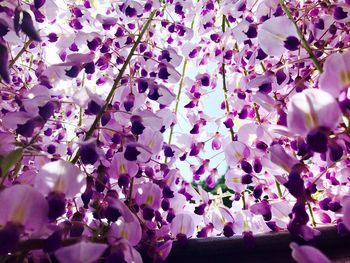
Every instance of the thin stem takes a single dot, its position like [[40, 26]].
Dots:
[[312, 215], [4, 177], [301, 35], [243, 201], [20, 53], [215, 155], [81, 109], [178, 98], [18, 168], [279, 191], [257, 114], [130, 191], [224, 86], [115, 84]]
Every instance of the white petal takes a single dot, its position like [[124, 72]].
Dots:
[[62, 177]]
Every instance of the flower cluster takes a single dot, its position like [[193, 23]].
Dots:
[[127, 125]]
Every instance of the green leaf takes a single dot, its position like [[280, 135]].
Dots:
[[9, 160]]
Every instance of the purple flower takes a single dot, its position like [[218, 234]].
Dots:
[[346, 212], [295, 185], [31, 214], [307, 254], [4, 70], [27, 26], [336, 75], [81, 252], [60, 177], [39, 3], [281, 158], [9, 238], [129, 230], [277, 35], [57, 205], [149, 194], [291, 43], [163, 73], [4, 28], [228, 229], [89, 153], [310, 109], [182, 224], [233, 180], [121, 166], [317, 140], [137, 151], [73, 72], [235, 152], [339, 13]]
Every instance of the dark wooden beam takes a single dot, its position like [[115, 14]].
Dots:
[[271, 248]]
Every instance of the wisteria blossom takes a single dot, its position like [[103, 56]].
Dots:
[[307, 254], [128, 128]]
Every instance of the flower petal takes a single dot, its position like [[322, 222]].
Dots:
[[273, 33], [336, 75], [310, 109], [61, 177], [24, 205], [27, 27], [307, 254], [4, 61], [83, 252], [346, 213], [182, 224]]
